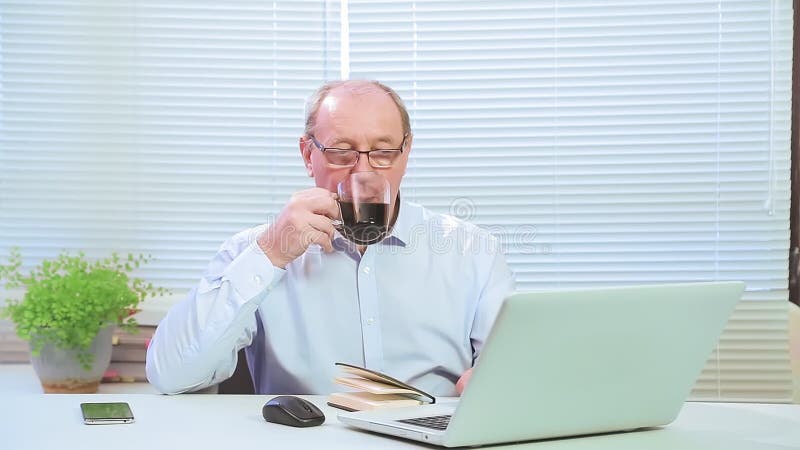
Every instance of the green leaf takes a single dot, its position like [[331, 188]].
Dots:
[[69, 298]]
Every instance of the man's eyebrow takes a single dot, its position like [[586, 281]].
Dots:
[[343, 140], [340, 141]]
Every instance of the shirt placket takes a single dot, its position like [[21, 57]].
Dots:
[[370, 317]]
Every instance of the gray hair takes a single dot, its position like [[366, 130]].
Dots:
[[355, 86]]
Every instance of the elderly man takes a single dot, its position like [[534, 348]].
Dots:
[[299, 297]]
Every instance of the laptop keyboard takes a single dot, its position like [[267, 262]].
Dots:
[[435, 422]]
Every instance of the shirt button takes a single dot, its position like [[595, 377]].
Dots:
[[371, 321], [366, 269], [257, 280]]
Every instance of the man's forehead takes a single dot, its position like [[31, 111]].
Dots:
[[340, 99], [356, 92]]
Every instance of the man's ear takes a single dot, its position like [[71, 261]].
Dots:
[[407, 151], [305, 152]]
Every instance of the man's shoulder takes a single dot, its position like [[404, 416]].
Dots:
[[444, 226]]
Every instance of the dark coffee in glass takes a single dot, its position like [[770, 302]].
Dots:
[[364, 223], [364, 206]]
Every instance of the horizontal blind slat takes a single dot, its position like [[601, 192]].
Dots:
[[602, 142]]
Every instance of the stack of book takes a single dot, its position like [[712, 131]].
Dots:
[[13, 350], [128, 356], [128, 353]]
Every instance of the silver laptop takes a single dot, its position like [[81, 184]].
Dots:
[[573, 362]]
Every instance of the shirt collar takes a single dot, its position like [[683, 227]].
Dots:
[[407, 217]]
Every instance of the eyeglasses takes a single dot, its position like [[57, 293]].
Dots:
[[346, 157]]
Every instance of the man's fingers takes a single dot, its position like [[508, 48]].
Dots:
[[327, 245], [462, 382], [323, 202], [314, 236], [323, 224]]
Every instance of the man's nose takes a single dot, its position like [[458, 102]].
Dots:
[[362, 165]]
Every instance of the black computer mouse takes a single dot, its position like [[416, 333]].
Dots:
[[292, 411]]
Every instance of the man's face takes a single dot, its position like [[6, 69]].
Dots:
[[362, 121]]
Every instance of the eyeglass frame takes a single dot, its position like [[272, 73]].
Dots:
[[323, 148]]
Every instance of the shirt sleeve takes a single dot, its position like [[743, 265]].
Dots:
[[498, 284], [196, 344]]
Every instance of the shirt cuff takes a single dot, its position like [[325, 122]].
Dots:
[[252, 273]]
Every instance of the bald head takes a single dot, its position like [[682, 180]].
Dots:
[[355, 88]]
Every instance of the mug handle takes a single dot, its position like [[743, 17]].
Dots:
[[338, 223]]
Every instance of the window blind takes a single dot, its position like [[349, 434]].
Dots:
[[160, 126], [602, 142], [608, 143]]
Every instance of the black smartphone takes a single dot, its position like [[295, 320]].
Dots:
[[106, 413]]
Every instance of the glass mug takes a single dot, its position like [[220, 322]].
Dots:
[[364, 199]]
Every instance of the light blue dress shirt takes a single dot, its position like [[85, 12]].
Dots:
[[417, 306]]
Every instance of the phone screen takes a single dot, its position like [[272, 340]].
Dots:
[[106, 413]]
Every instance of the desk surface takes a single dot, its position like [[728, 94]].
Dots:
[[20, 378], [33, 421]]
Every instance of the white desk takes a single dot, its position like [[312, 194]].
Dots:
[[20, 378], [37, 421], [32, 420]]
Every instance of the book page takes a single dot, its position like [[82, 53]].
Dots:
[[381, 378], [369, 375], [374, 387], [363, 401]]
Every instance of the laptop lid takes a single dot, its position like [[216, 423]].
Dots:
[[571, 362]]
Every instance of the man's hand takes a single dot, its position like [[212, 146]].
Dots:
[[462, 382], [305, 220]]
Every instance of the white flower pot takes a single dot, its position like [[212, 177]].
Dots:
[[60, 372]]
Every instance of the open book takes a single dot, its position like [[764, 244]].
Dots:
[[374, 390]]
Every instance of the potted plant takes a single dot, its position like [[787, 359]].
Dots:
[[69, 311]]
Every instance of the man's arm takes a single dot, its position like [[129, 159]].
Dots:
[[195, 345]]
